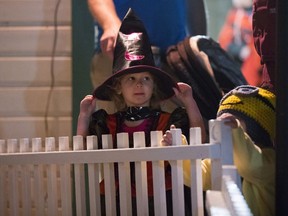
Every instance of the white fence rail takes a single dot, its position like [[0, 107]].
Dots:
[[46, 177]]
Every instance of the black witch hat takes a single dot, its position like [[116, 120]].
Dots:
[[133, 54]]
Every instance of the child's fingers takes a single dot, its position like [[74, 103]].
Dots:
[[167, 139]]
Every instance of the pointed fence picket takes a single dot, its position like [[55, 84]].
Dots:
[[59, 177]]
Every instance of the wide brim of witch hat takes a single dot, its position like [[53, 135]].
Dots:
[[133, 54]]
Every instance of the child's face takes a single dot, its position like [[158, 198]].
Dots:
[[137, 88]]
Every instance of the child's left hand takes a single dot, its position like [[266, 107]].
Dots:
[[167, 137], [184, 93]]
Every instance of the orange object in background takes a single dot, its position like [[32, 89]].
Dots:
[[236, 37]]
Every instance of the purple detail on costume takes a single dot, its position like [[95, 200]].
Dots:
[[132, 40], [131, 57], [132, 37]]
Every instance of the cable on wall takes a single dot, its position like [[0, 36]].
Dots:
[[52, 72]]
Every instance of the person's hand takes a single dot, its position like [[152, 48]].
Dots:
[[167, 137], [229, 120], [108, 40], [87, 105], [184, 94]]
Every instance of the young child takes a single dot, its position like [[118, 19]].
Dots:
[[250, 111], [137, 88]]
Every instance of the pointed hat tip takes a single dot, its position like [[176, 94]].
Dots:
[[132, 23]]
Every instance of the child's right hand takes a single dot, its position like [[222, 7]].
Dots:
[[87, 105], [167, 137]]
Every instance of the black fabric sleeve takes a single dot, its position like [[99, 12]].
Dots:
[[180, 119], [98, 125]]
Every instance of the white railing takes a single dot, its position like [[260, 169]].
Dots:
[[51, 178]]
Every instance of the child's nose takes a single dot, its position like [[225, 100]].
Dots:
[[139, 82]]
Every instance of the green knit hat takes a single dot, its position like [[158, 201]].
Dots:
[[256, 106]]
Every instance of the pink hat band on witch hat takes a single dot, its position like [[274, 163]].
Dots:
[[133, 54]]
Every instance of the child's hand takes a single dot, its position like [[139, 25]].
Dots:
[[87, 105], [229, 120], [167, 137], [184, 93]]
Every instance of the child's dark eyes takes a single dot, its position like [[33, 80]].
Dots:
[[143, 79]]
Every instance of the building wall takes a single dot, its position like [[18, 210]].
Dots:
[[35, 63], [30, 69]]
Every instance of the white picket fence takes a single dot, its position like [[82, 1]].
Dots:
[[46, 177]]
